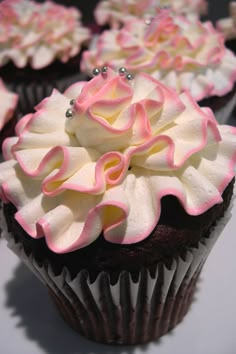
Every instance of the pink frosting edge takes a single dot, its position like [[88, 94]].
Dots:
[[82, 241], [176, 193], [118, 80], [208, 120], [99, 180]]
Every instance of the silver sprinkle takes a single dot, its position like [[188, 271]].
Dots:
[[96, 71], [129, 77], [69, 113], [104, 69], [122, 71], [72, 102], [148, 21]]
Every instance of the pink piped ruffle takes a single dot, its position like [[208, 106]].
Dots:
[[70, 192]]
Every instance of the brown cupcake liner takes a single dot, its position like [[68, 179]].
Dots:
[[30, 94], [223, 114], [231, 44], [222, 107], [126, 312]]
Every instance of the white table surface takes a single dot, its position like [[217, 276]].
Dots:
[[29, 324]]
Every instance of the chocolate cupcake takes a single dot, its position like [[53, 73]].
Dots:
[[185, 55], [40, 48], [115, 193]]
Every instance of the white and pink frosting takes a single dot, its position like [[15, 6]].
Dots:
[[8, 103], [117, 12], [228, 25], [37, 34], [127, 144], [185, 55]]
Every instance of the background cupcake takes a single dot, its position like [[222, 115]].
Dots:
[[40, 48], [8, 113], [152, 174], [115, 13], [185, 55], [228, 27]]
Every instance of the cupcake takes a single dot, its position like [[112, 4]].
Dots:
[[185, 55], [228, 27], [114, 194], [7, 112], [115, 13], [40, 48]]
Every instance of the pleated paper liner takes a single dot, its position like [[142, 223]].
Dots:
[[231, 44], [30, 94], [128, 311], [222, 107]]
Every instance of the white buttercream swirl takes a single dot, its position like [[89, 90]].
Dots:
[[228, 25], [8, 103], [37, 34], [185, 55], [116, 12], [128, 144]]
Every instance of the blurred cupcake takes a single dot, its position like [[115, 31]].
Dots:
[[228, 27], [40, 48], [114, 195], [185, 55], [115, 13], [7, 112]]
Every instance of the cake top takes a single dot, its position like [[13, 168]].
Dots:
[[37, 34], [185, 55], [228, 25], [8, 104], [117, 12], [99, 158]]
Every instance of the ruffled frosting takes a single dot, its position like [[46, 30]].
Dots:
[[8, 103], [37, 34], [228, 25], [127, 144], [116, 12], [185, 55]]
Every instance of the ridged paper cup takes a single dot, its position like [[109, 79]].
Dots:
[[127, 311], [222, 107], [30, 94]]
